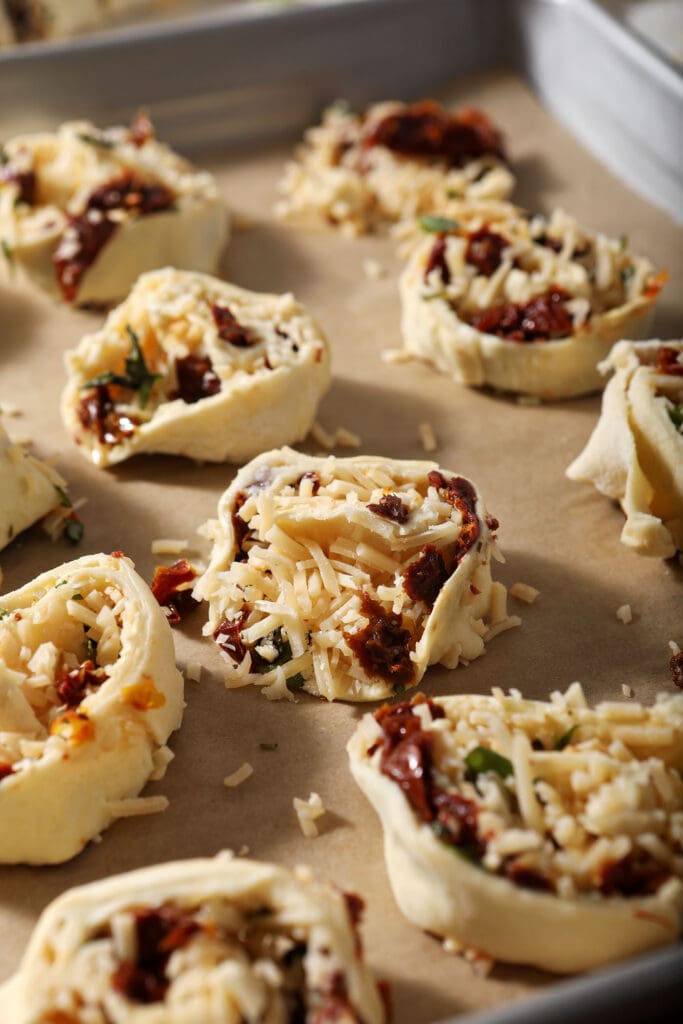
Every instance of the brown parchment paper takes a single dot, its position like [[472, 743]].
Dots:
[[562, 537]]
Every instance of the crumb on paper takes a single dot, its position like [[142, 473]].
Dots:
[[529, 400], [373, 270], [243, 850], [342, 438], [308, 811], [395, 355], [136, 806], [427, 437], [624, 614], [674, 648], [627, 690], [168, 546], [346, 438], [193, 671], [238, 777], [524, 592]]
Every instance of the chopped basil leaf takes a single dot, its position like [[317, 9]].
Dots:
[[268, 746], [61, 583], [77, 597], [623, 242], [3, 613], [96, 140], [64, 499], [91, 649], [446, 837], [398, 688], [565, 738], [435, 295], [676, 415], [296, 682], [136, 376], [7, 252], [281, 645], [438, 225], [482, 759], [73, 531]]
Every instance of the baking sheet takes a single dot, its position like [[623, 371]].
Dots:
[[559, 536]]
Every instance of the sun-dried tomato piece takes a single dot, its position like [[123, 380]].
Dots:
[[485, 250], [426, 129], [459, 493], [227, 636], [456, 818], [229, 329], [159, 932], [676, 666], [72, 686], [196, 378], [636, 874], [26, 182], [96, 411], [667, 361], [390, 506], [166, 586], [311, 475], [129, 192], [424, 578], [5, 770], [544, 318], [527, 878], [437, 260], [383, 646]]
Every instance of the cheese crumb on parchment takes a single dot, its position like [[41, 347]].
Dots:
[[427, 437], [627, 690], [624, 614], [308, 811], [168, 546], [239, 776], [524, 592], [373, 270]]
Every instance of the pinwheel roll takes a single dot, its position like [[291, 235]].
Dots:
[[529, 306], [635, 453], [29, 489], [360, 171], [540, 833], [190, 365], [85, 212], [89, 694], [348, 577], [219, 941]]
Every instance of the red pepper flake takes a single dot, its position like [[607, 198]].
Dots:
[[676, 666], [424, 578], [437, 260], [459, 493], [391, 507], [544, 318], [165, 587], [636, 874], [527, 878], [227, 636], [117, 554], [355, 905], [5, 770], [484, 250], [88, 232], [72, 686], [667, 361], [26, 182], [141, 129], [240, 529], [383, 646], [159, 933], [229, 329], [427, 129], [96, 412], [196, 378]]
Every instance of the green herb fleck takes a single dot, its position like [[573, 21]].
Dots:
[[77, 597], [64, 499], [626, 273], [398, 688], [4, 159], [96, 140], [565, 739], [284, 651], [91, 649], [623, 243], [136, 375], [3, 613], [296, 682], [61, 583], [676, 415], [7, 253], [435, 295], [438, 225], [268, 746], [73, 531], [482, 759], [447, 837]]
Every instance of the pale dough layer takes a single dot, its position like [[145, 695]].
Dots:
[[635, 453], [71, 766], [27, 489], [217, 978], [269, 388]]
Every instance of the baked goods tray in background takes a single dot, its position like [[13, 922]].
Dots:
[[248, 71], [205, 89]]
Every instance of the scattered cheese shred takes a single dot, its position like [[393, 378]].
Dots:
[[239, 776], [674, 648], [168, 546], [307, 811], [627, 690], [136, 806], [395, 355], [624, 614], [427, 437], [193, 671], [373, 269], [524, 592]]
